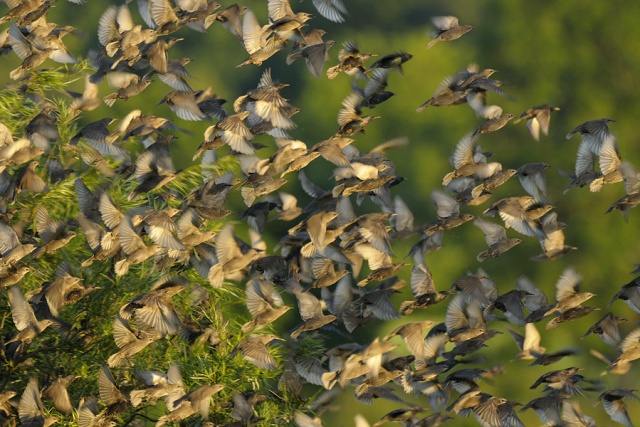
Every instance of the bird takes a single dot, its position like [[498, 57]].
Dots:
[[592, 129], [607, 329], [254, 350], [631, 180], [351, 61], [538, 119], [447, 29], [612, 401], [493, 124], [529, 344], [30, 408], [568, 293], [468, 164], [392, 61], [496, 237], [58, 393]]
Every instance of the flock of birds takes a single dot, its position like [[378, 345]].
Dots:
[[319, 264]]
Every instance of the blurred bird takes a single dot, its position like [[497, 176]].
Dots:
[[529, 344], [25, 321], [350, 118], [496, 237], [594, 131], [154, 169], [392, 61], [538, 119], [259, 41], [54, 233], [631, 179], [351, 61], [630, 294], [532, 178], [254, 350], [612, 401], [311, 313], [87, 100], [493, 124], [448, 213], [30, 408], [568, 293], [468, 163], [607, 329], [447, 29], [58, 393]]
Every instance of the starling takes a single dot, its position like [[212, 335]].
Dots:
[[412, 334], [315, 56], [129, 342], [532, 178], [284, 23], [311, 314], [448, 212], [42, 130], [231, 19], [562, 380], [333, 10], [154, 169], [30, 408], [176, 74], [509, 304], [568, 293], [529, 344], [423, 290], [596, 130], [607, 329], [521, 213], [87, 100], [132, 89], [259, 41], [392, 61], [447, 29], [264, 303], [483, 406], [254, 350], [89, 415], [493, 124], [402, 415], [537, 118], [631, 179], [54, 233], [133, 246], [243, 405], [612, 401], [549, 358], [160, 386], [496, 237], [25, 321], [630, 294], [629, 348], [197, 400], [464, 319], [154, 309], [350, 118], [184, 104], [110, 393], [547, 408], [57, 392], [351, 61], [468, 164], [572, 415], [552, 239]]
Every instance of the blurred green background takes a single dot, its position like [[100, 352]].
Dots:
[[580, 56]]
